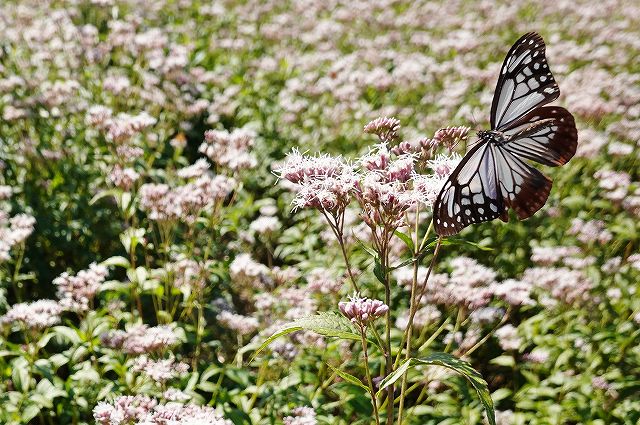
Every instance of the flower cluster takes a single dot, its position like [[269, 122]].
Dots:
[[469, 285], [362, 311], [160, 371], [508, 337], [120, 128], [36, 315], [321, 181], [76, 292], [123, 178], [449, 137], [244, 325], [384, 127], [230, 150], [246, 272], [590, 231], [141, 339], [302, 415], [188, 274], [14, 231], [564, 284], [144, 410], [184, 202]]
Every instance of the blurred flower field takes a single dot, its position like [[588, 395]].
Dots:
[[158, 224]]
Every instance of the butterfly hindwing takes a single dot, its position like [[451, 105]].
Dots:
[[547, 135], [523, 188], [524, 84], [471, 194]]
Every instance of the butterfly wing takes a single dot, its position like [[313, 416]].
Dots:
[[523, 188], [470, 194], [524, 84], [546, 135]]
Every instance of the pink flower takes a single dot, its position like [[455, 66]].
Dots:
[[384, 127], [362, 311]]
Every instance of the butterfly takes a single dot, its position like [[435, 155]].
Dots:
[[493, 176]]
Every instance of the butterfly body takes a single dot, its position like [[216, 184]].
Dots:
[[493, 136], [493, 176]]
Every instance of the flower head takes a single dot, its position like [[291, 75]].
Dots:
[[384, 127], [362, 311]]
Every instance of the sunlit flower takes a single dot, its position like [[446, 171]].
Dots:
[[244, 325], [303, 415], [384, 127], [508, 337], [141, 339], [160, 370], [231, 150], [76, 292], [35, 315]]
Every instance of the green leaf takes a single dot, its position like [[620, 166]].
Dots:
[[369, 250], [455, 364], [504, 360], [103, 194], [349, 378], [116, 261], [326, 323], [404, 263], [30, 412], [405, 238], [458, 241], [20, 374], [377, 271], [66, 333], [395, 375]]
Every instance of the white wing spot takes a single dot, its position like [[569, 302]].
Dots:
[[481, 211], [467, 212], [493, 207]]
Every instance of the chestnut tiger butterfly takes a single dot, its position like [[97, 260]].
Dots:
[[493, 176]]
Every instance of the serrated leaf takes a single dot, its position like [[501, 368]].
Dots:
[[326, 323], [349, 378], [455, 364]]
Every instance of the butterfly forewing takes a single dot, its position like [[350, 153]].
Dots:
[[524, 84], [471, 193], [547, 135]]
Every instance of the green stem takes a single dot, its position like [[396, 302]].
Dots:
[[419, 298], [16, 272], [412, 307], [374, 402], [456, 327]]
